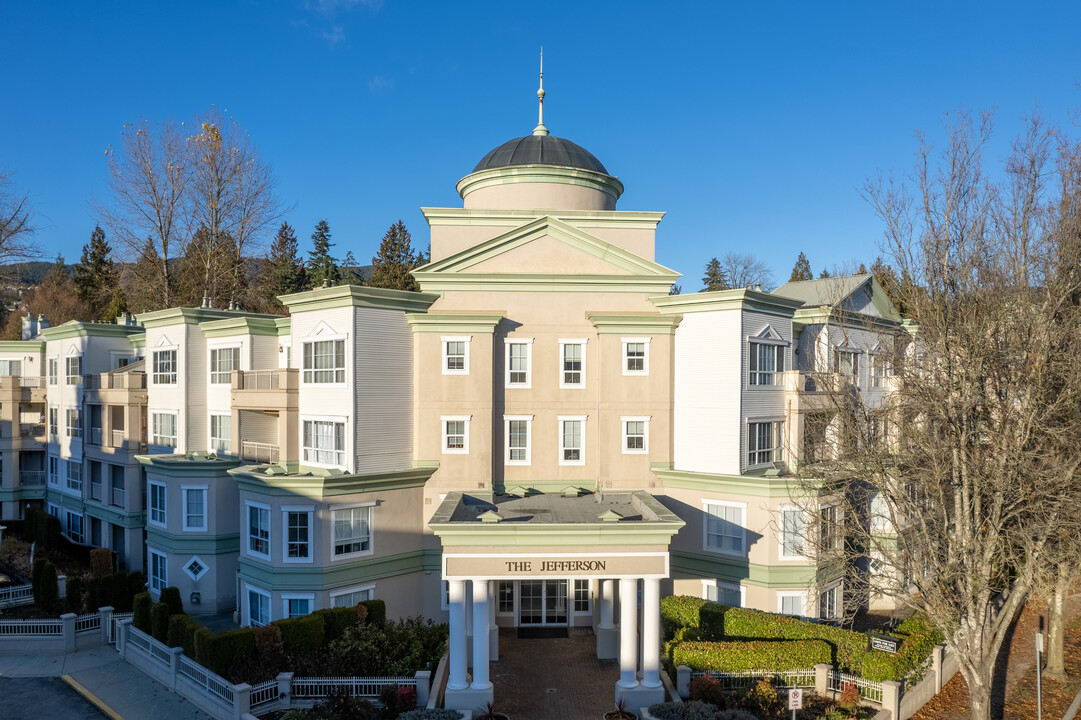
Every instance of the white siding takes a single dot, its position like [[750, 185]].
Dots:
[[264, 353], [326, 401], [383, 391], [760, 403]]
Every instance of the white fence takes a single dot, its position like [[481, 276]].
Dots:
[[804, 678], [43, 628], [315, 688], [868, 689], [208, 681], [17, 595]]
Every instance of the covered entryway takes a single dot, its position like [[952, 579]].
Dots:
[[547, 547]]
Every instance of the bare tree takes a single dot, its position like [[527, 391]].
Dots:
[[15, 224], [951, 488], [149, 175], [233, 198], [745, 271]]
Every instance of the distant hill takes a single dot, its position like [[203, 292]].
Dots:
[[32, 273]]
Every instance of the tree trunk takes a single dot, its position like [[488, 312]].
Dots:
[[1056, 626], [979, 697]]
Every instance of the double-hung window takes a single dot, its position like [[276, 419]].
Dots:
[[298, 534], [74, 475], [351, 596], [221, 431], [164, 429], [791, 603], [13, 368], [258, 607], [295, 606], [881, 370], [222, 363], [793, 527], [72, 426], [75, 527], [455, 355], [518, 430], [635, 435], [765, 442], [846, 363], [159, 572], [828, 603], [324, 442], [724, 530], [636, 356], [259, 530], [156, 503], [519, 361], [455, 434], [54, 370], [581, 596], [194, 507], [572, 440], [829, 528], [54, 471], [164, 367], [572, 363], [74, 370], [725, 593], [352, 530], [324, 361], [766, 362], [54, 425]]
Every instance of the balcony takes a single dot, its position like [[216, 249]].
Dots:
[[131, 380], [33, 431], [28, 388], [32, 478], [95, 491], [259, 452], [95, 436], [276, 389], [118, 497]]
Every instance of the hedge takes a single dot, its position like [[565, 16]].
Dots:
[[159, 621], [171, 597], [679, 611], [47, 590], [336, 621], [73, 600], [302, 634], [101, 562], [377, 611], [140, 606], [182, 631], [42, 528], [218, 652], [753, 655]]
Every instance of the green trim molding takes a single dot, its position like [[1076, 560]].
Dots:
[[189, 465], [454, 322], [753, 485], [341, 296], [138, 341], [76, 328], [315, 485], [192, 316], [189, 543], [338, 574], [741, 571], [22, 346], [468, 217], [129, 520], [284, 326], [637, 324], [231, 327], [741, 299]]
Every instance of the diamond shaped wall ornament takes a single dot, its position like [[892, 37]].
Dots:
[[195, 568]]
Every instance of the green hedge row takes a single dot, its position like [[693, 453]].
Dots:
[[377, 611], [302, 634], [182, 631], [217, 652], [753, 655], [42, 528], [679, 611]]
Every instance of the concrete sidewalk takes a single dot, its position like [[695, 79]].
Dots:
[[127, 691]]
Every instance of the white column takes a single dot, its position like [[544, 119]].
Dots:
[[628, 633], [456, 599], [480, 635], [608, 601], [651, 632], [493, 629]]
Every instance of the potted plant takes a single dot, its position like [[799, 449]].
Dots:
[[488, 712], [621, 712]]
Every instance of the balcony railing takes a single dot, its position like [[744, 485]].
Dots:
[[33, 430], [32, 478], [95, 491], [25, 381], [95, 436], [258, 452], [116, 381], [117, 439], [118, 497], [276, 379]]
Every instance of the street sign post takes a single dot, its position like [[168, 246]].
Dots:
[[795, 700]]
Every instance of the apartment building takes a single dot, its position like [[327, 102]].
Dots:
[[540, 435]]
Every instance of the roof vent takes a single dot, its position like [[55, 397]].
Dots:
[[489, 516], [609, 516], [571, 491]]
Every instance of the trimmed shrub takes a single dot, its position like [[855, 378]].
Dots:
[[690, 710], [711, 622], [171, 597], [219, 652], [159, 621], [101, 562], [73, 601], [679, 611], [141, 608], [302, 634], [753, 655], [337, 620], [432, 714], [377, 611], [35, 578], [42, 528], [136, 584], [47, 596], [268, 642], [181, 633]]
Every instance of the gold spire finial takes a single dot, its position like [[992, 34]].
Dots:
[[540, 129]]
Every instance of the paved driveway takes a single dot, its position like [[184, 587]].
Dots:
[[47, 698]]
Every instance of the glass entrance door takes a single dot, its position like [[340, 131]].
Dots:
[[542, 602]]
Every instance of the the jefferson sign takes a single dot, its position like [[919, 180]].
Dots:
[[539, 565]]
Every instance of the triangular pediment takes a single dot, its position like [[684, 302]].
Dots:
[[546, 246], [768, 333]]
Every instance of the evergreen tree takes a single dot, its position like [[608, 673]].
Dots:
[[801, 270], [321, 264], [675, 289], [351, 270], [392, 265], [824, 274], [893, 285], [283, 272], [95, 276], [714, 278], [117, 307], [55, 297]]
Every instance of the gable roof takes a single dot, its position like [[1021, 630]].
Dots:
[[835, 291]]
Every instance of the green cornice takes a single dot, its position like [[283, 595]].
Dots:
[[186, 466], [201, 544], [22, 346], [22, 493], [453, 322], [138, 341], [753, 485], [191, 316], [521, 282], [284, 326], [625, 324], [338, 574], [825, 315], [742, 299], [540, 174], [621, 219], [230, 327], [254, 479], [357, 296], [741, 571], [75, 328], [114, 515]]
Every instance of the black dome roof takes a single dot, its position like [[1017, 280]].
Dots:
[[540, 150]]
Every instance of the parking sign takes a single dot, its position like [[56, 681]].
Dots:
[[795, 699]]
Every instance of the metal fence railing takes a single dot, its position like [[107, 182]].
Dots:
[[312, 688], [868, 689], [17, 595], [801, 678]]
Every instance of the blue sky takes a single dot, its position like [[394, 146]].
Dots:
[[752, 125]]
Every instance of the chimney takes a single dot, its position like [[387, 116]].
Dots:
[[32, 326], [326, 282]]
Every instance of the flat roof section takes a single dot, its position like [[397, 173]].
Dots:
[[552, 508]]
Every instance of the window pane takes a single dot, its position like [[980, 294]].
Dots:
[[351, 530], [572, 440]]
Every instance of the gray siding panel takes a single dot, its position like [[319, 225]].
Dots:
[[383, 391]]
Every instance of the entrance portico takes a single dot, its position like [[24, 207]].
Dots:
[[542, 556]]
